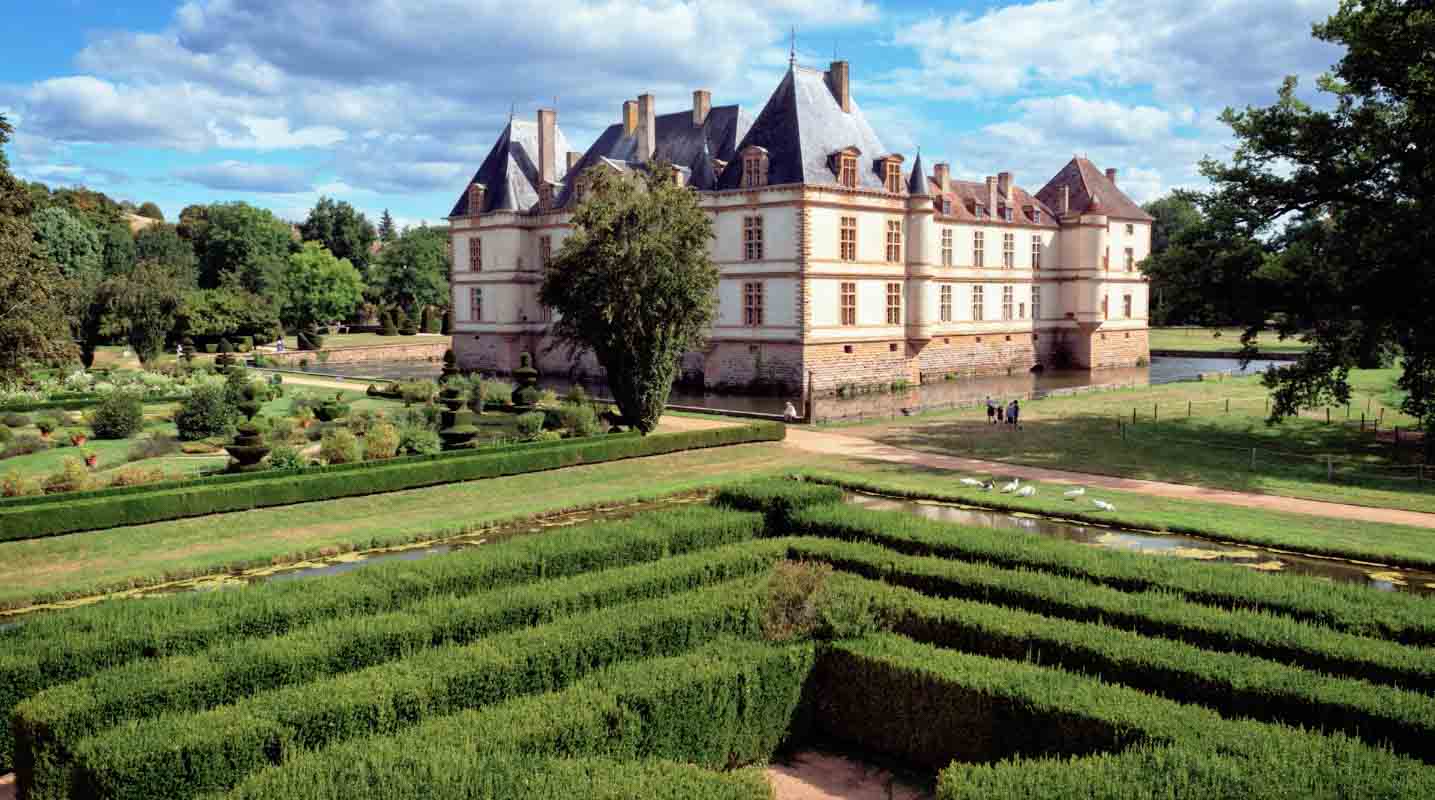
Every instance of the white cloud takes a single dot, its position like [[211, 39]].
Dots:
[[265, 133], [246, 177]]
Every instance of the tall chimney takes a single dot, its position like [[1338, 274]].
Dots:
[[841, 86], [1064, 207], [573, 157], [647, 128], [702, 104], [991, 196], [943, 173], [547, 158], [1111, 175], [630, 117], [1004, 185]]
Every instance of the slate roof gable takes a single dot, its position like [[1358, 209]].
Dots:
[[1091, 192], [509, 172]]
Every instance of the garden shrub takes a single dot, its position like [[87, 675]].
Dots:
[[6, 436], [281, 430], [206, 412], [795, 592], [137, 476], [419, 440], [381, 442], [529, 424], [579, 419], [47, 424], [119, 415], [17, 484], [225, 346], [14, 420], [778, 498], [360, 421], [73, 476], [552, 419], [414, 392], [24, 445], [284, 456], [339, 446], [156, 445], [497, 393], [389, 328]]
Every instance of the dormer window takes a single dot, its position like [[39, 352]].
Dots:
[[843, 164], [981, 210], [946, 206], [754, 167], [545, 196], [1007, 213], [1036, 215], [475, 199], [891, 171]]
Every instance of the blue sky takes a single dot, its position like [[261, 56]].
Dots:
[[393, 103]]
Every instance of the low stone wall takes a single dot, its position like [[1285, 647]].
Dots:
[[416, 349]]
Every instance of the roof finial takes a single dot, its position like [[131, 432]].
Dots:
[[512, 110], [792, 51]]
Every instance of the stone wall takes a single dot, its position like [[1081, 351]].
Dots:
[[737, 366], [413, 348], [987, 354], [1119, 349], [859, 364]]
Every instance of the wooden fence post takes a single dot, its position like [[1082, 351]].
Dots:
[[1327, 415], [1155, 414], [1188, 408], [1329, 469], [1228, 405], [1133, 416]]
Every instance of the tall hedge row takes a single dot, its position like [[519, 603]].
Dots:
[[777, 498], [1405, 618], [58, 648], [930, 706], [732, 702], [1236, 685], [185, 755], [1159, 614], [50, 724], [199, 498]]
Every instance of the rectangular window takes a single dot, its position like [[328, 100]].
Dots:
[[849, 172], [1036, 215], [944, 310], [752, 238], [946, 247], [754, 170], [978, 303], [1036, 252], [752, 303], [1104, 307], [545, 313], [1126, 305], [1035, 302], [545, 250], [894, 304], [1008, 250], [475, 254], [946, 206], [1008, 295], [979, 249], [848, 240], [894, 241], [1130, 229], [1130, 259], [849, 303], [894, 177], [1007, 213], [475, 304]]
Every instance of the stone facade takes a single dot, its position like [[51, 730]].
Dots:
[[413, 350]]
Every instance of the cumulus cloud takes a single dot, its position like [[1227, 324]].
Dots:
[[247, 177]]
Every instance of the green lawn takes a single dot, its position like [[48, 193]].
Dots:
[[1211, 447], [1219, 340], [338, 341]]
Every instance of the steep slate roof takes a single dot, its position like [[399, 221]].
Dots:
[[509, 173], [917, 184], [964, 191], [801, 127], [679, 142], [1091, 191]]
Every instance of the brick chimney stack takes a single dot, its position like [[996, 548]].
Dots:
[[647, 128], [1064, 207], [839, 82], [1111, 175], [702, 104], [991, 196], [547, 155], [573, 157], [630, 117], [943, 173], [1004, 185]]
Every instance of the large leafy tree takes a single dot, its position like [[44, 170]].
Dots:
[[319, 288], [1174, 214], [211, 313], [240, 245], [162, 244], [387, 230], [142, 306], [119, 249], [342, 229], [70, 243], [151, 210], [412, 270], [1325, 211], [634, 284], [33, 326]]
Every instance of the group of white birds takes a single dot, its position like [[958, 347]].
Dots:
[[1016, 488]]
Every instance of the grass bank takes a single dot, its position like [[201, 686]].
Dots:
[[1219, 340]]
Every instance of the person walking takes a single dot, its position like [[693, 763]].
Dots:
[[1000, 410], [991, 411], [1013, 414], [789, 414]]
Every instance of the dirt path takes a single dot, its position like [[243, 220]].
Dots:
[[818, 776], [7, 787], [291, 379], [825, 442]]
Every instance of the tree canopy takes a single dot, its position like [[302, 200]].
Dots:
[[387, 231], [151, 210], [140, 305], [33, 326], [412, 270], [162, 244], [319, 288], [70, 243], [342, 229], [240, 245], [634, 284], [1319, 223], [220, 312]]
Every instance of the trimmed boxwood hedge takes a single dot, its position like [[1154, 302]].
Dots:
[[777, 498], [185, 755], [1156, 613], [929, 706], [1233, 684], [1405, 618], [228, 673], [76, 403], [57, 648], [58, 514], [732, 702]]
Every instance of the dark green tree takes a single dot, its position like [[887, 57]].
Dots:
[[387, 231], [240, 245], [150, 210], [162, 244], [119, 249], [319, 288], [1322, 214], [33, 325], [142, 306], [413, 270], [342, 230], [635, 285], [70, 243]]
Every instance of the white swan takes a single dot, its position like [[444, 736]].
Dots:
[[1075, 492], [1103, 505], [1026, 491], [1012, 487], [971, 482]]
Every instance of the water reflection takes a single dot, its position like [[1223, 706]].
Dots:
[[1176, 545], [931, 395]]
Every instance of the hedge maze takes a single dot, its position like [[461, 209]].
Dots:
[[636, 658]]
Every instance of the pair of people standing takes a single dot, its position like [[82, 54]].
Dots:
[[996, 412]]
